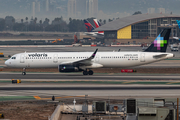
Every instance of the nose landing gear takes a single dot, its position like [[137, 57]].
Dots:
[[24, 71]]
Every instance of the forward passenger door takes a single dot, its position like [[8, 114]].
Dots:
[[22, 57], [142, 57], [55, 58]]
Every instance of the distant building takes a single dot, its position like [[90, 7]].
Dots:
[[81, 9], [92, 6], [72, 8], [151, 10], [47, 5], [33, 9], [162, 10], [141, 26], [38, 7]]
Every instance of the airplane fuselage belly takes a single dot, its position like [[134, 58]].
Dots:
[[104, 59]]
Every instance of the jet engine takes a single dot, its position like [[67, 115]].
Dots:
[[68, 68]]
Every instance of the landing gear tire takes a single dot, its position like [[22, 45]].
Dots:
[[23, 73], [91, 72], [85, 72]]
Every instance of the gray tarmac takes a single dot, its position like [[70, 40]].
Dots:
[[79, 76], [120, 91], [127, 91]]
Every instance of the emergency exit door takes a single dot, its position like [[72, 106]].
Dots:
[[142, 57]]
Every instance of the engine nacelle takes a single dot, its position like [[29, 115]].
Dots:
[[68, 68]]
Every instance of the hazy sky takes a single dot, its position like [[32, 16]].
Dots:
[[107, 8]]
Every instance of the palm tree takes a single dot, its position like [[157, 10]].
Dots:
[[35, 19], [22, 20], [26, 22], [26, 19], [100, 20], [40, 22], [104, 21]]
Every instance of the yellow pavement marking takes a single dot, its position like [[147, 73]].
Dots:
[[172, 82], [126, 82], [37, 97], [111, 74]]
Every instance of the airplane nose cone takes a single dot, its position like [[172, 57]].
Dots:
[[6, 62]]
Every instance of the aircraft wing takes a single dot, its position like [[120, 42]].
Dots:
[[84, 62]]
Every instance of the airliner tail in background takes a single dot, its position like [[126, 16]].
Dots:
[[75, 39], [97, 23], [88, 25], [90, 29]]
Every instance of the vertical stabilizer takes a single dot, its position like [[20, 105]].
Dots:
[[88, 25], [161, 42], [76, 39], [96, 22]]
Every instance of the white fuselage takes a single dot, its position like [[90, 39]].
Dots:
[[102, 59]]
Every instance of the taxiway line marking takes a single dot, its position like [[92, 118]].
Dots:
[[172, 82], [127, 82], [37, 97], [63, 97]]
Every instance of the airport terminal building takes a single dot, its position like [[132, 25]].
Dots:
[[141, 26]]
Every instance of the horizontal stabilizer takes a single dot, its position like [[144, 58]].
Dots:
[[159, 56]]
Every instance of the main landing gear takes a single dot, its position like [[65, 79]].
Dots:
[[90, 72], [24, 71]]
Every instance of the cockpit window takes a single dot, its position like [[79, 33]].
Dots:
[[13, 58]]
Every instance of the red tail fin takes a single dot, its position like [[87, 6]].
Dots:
[[75, 39]]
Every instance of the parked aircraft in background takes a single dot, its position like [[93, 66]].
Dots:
[[97, 24], [85, 61], [77, 42], [90, 29]]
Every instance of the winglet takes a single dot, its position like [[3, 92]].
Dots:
[[94, 54]]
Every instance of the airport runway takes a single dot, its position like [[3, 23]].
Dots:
[[126, 89], [91, 87], [36, 87], [79, 76], [120, 91]]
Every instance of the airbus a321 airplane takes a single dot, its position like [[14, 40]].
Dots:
[[85, 61]]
